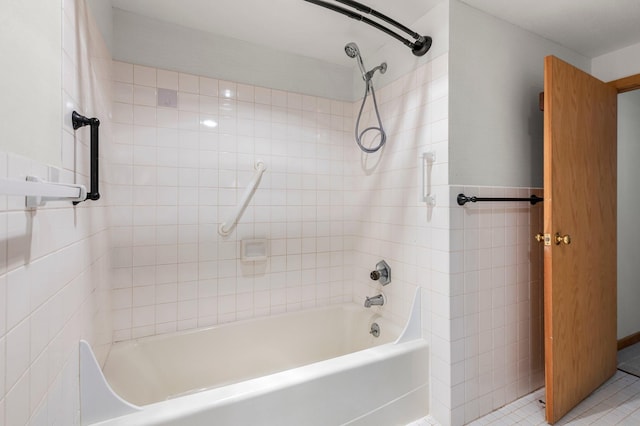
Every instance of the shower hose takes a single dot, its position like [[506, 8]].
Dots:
[[360, 134]]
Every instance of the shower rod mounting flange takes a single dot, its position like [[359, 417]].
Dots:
[[422, 45]]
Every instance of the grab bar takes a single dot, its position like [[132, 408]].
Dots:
[[227, 226], [38, 191], [79, 121]]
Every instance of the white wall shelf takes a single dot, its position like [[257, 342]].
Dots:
[[38, 191]]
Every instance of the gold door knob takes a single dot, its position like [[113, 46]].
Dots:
[[566, 239], [539, 237]]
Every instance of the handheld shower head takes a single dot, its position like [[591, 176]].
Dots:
[[352, 51]]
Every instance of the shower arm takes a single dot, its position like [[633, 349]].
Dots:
[[419, 47]]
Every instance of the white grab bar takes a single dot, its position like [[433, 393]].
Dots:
[[227, 226], [38, 191]]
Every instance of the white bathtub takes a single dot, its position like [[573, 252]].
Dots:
[[317, 367]]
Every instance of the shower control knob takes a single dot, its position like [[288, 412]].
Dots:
[[382, 273]]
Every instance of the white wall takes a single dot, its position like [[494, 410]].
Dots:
[[617, 64], [496, 74], [146, 41], [628, 208], [30, 79], [495, 147], [54, 261]]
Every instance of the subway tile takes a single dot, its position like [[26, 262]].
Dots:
[[144, 76], [122, 113], [123, 92], [17, 354], [166, 118], [208, 86], [278, 98], [143, 95], [122, 72], [144, 115], [188, 83], [227, 89], [167, 79], [17, 302], [188, 102], [39, 382], [262, 95], [17, 402], [143, 316], [208, 105], [245, 92]]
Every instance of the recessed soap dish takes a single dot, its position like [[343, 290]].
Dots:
[[253, 250]]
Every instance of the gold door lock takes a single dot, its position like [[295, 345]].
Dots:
[[546, 238], [559, 239]]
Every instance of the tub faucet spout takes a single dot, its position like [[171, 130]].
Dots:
[[374, 301]]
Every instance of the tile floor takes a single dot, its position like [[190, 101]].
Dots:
[[617, 402], [629, 359]]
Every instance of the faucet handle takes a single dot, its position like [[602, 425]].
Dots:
[[382, 273]]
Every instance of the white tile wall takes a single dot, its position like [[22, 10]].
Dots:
[[329, 213], [388, 219], [54, 261], [175, 179], [478, 266], [496, 318]]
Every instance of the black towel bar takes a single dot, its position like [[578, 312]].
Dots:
[[80, 121], [463, 199]]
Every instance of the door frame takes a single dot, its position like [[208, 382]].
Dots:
[[626, 84], [623, 85]]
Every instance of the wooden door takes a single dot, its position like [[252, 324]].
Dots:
[[580, 131]]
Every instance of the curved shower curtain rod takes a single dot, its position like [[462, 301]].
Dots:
[[419, 47]]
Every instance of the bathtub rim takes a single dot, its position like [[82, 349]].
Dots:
[[164, 412], [100, 404]]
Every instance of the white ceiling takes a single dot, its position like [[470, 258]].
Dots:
[[294, 26], [589, 27]]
